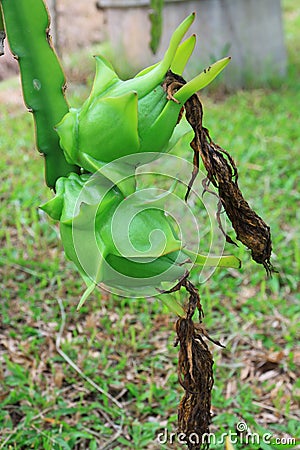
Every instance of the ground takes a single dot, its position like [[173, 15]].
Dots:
[[105, 377]]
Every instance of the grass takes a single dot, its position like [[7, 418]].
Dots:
[[125, 346]]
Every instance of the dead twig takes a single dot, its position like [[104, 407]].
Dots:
[[222, 172]]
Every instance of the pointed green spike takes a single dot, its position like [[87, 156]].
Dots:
[[146, 70], [183, 54], [54, 206], [86, 294], [104, 78], [213, 261], [175, 41], [200, 81], [145, 83], [180, 60]]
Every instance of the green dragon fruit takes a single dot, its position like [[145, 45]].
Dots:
[[115, 234], [125, 243]]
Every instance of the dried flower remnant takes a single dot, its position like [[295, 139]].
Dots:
[[222, 172], [195, 371]]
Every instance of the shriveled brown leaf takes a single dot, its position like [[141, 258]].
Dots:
[[222, 172]]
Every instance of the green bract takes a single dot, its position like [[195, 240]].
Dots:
[[121, 118]]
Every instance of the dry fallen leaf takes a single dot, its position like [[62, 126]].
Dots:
[[228, 444]]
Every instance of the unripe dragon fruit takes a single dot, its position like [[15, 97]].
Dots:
[[135, 116]]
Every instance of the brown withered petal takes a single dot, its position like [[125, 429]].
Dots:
[[195, 364], [222, 172], [195, 371]]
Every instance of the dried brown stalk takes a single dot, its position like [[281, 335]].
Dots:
[[222, 172], [195, 372], [195, 362]]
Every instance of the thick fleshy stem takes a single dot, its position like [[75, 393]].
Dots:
[[43, 82]]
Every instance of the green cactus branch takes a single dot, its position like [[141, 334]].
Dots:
[[43, 81]]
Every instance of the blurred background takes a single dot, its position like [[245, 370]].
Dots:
[[56, 364], [251, 32]]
